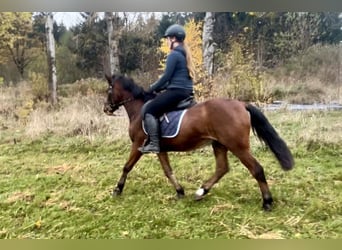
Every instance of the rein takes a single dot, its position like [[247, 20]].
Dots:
[[117, 105]]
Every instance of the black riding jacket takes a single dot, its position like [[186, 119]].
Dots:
[[176, 74]]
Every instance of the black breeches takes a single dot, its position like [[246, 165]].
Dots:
[[166, 101]]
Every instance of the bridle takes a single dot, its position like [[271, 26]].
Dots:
[[115, 106]]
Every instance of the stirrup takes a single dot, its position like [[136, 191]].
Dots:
[[149, 149]]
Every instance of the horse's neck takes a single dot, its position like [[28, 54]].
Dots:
[[133, 109]]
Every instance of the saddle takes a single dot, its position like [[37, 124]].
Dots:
[[184, 104], [170, 121]]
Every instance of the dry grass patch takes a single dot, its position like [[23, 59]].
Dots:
[[315, 128], [60, 169], [83, 117], [26, 196], [55, 199]]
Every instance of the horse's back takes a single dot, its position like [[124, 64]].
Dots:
[[223, 120], [220, 109], [216, 115]]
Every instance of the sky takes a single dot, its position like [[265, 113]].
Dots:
[[69, 19]]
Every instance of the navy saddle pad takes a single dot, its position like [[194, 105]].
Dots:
[[170, 123]]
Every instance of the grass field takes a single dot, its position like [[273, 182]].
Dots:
[[59, 186]]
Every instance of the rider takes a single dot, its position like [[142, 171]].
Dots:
[[177, 81]]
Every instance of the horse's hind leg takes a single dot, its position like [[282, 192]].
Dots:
[[257, 172], [164, 161], [133, 158], [220, 152]]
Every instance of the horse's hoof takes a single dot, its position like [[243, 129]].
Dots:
[[200, 193], [180, 193], [116, 192], [180, 196], [267, 207], [267, 204], [198, 197]]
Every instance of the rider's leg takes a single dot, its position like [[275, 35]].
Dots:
[[152, 128], [164, 102]]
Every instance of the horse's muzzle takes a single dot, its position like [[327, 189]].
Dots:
[[108, 109]]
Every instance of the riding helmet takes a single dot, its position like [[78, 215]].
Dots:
[[177, 31]]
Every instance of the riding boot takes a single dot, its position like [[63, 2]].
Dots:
[[152, 129]]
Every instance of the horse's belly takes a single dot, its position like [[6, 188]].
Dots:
[[181, 145]]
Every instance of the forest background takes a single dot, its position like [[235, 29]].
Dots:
[[257, 56]]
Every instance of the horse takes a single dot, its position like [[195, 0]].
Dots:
[[223, 123]]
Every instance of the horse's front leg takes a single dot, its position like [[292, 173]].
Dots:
[[134, 156], [164, 161]]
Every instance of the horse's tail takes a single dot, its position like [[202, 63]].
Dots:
[[264, 130]]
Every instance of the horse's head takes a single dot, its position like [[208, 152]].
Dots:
[[115, 96], [121, 90]]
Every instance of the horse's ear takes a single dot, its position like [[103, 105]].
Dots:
[[109, 78]]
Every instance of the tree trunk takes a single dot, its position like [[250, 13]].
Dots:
[[260, 51], [208, 43], [51, 58], [114, 33], [18, 58]]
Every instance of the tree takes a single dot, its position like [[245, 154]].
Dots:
[[194, 41], [15, 43], [90, 44], [139, 46], [208, 43], [51, 58], [114, 30], [111, 45]]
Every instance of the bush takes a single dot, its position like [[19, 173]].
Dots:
[[83, 87], [321, 62], [16, 104], [39, 85], [239, 78], [311, 77]]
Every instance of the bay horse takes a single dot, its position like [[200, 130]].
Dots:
[[223, 123]]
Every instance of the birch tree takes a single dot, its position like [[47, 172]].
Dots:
[[114, 29], [208, 43], [51, 58]]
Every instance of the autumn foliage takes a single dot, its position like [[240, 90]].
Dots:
[[193, 40]]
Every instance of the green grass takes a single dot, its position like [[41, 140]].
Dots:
[[60, 187]]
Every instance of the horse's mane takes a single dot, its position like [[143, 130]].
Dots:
[[137, 91]]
